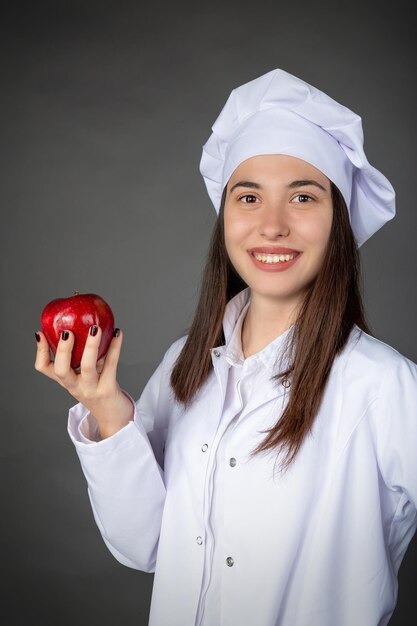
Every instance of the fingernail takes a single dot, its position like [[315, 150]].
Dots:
[[38, 337], [116, 332], [93, 331], [64, 335]]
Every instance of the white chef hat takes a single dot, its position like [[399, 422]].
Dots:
[[278, 113]]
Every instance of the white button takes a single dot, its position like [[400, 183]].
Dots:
[[204, 447], [199, 540], [232, 462], [286, 383], [229, 561], [216, 353]]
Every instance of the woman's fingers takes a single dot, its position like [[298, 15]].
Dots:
[[43, 363], [94, 377], [62, 364], [43, 357], [108, 375], [89, 374]]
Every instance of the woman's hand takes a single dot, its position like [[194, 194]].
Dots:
[[95, 384]]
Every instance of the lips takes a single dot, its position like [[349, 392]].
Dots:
[[274, 258]]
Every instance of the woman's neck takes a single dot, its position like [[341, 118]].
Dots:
[[265, 320]]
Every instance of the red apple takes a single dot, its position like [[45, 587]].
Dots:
[[78, 313]]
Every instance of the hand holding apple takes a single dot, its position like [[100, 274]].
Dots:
[[95, 384], [78, 313]]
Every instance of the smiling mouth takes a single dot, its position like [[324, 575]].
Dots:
[[273, 258]]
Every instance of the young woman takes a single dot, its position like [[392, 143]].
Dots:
[[268, 472]]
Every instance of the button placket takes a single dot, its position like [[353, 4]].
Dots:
[[221, 370]]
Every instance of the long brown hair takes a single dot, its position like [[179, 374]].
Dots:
[[331, 308]]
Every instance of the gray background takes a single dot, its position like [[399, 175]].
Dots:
[[104, 109]]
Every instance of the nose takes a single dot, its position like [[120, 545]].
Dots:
[[274, 222]]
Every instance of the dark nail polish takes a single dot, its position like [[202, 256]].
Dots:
[[38, 337], [64, 335], [116, 332], [93, 331]]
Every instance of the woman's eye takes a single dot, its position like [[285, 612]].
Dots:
[[302, 197], [248, 199]]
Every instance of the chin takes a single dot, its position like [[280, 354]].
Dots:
[[275, 294], [281, 293]]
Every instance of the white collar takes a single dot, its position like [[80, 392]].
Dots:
[[235, 313]]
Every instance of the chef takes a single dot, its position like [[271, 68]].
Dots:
[[267, 473]]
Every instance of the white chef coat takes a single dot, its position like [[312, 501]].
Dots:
[[242, 375], [317, 546]]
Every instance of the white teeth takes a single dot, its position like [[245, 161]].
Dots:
[[273, 258]]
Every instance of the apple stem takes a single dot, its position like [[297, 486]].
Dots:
[[76, 293]]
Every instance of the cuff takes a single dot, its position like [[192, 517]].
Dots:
[[88, 430], [84, 431]]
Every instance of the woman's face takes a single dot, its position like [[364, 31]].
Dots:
[[277, 220]]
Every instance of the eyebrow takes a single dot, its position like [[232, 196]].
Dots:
[[304, 183], [292, 185], [246, 183]]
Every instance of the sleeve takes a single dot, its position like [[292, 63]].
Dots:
[[125, 476], [393, 420], [88, 431], [396, 434]]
